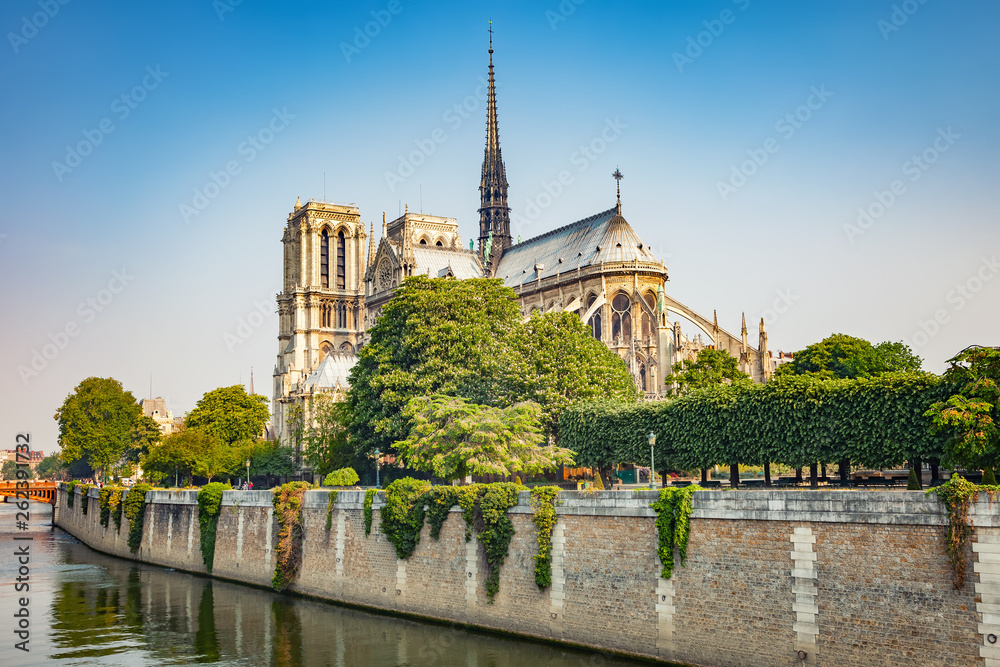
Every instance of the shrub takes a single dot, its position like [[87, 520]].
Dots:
[[288, 508], [209, 507], [913, 483], [134, 507], [989, 477], [342, 477]]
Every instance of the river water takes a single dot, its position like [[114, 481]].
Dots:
[[86, 608]]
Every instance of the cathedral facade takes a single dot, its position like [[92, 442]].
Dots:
[[337, 279]]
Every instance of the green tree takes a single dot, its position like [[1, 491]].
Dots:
[[230, 414], [453, 438], [437, 335], [212, 456], [326, 446], [96, 423], [843, 356], [710, 367], [51, 467], [174, 456], [9, 471], [971, 415], [146, 433], [269, 459], [567, 364]]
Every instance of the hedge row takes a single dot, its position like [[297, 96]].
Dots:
[[797, 421]]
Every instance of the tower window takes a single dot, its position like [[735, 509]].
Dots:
[[341, 262], [324, 260], [595, 319], [621, 319]]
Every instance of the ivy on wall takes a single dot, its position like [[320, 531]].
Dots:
[[109, 500], [330, 502], [956, 495], [543, 499], [134, 508], [70, 493], [369, 497], [84, 502], [115, 501], [673, 524], [209, 507], [287, 502]]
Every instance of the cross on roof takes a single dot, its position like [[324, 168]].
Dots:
[[618, 176]]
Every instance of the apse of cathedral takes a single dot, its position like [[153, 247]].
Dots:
[[337, 279]]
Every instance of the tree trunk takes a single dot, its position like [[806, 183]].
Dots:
[[919, 466], [767, 474], [823, 472], [845, 470], [813, 482], [704, 474], [935, 471], [734, 475], [798, 475]]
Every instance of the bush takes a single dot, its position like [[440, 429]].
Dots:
[[209, 507], [342, 477], [913, 483], [989, 477]]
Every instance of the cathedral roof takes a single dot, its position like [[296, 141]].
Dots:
[[438, 262], [604, 237], [332, 371]]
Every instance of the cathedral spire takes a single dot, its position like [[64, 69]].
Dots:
[[618, 176], [371, 242], [494, 214]]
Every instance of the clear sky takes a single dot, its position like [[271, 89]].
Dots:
[[830, 166]]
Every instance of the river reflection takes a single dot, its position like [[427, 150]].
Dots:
[[92, 609]]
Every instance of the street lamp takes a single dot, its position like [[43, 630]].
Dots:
[[248, 473], [378, 485], [652, 443]]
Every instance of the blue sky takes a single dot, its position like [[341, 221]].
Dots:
[[752, 135]]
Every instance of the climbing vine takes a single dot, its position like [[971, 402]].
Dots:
[[673, 523], [497, 531], [70, 493], [956, 495], [134, 507], [209, 507], [116, 507], [402, 516], [330, 502], [84, 503], [287, 501], [369, 497], [543, 499], [104, 502]]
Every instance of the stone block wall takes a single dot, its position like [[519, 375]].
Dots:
[[771, 577]]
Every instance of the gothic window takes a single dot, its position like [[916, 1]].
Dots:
[[341, 262], [423, 241], [324, 260], [621, 319], [642, 377], [595, 320], [341, 316], [325, 313], [439, 244], [384, 277], [645, 325]]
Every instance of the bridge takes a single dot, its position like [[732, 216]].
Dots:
[[42, 492]]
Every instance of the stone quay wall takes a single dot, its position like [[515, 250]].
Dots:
[[771, 578]]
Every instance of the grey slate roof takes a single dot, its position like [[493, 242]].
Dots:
[[462, 263], [604, 237]]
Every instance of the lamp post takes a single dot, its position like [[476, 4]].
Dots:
[[652, 443], [248, 473], [378, 484]]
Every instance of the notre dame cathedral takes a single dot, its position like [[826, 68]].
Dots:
[[337, 279]]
